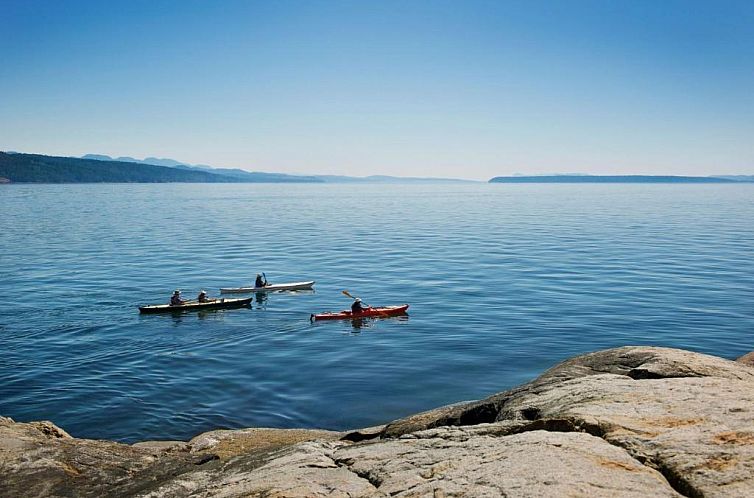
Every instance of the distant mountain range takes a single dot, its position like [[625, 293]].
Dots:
[[254, 176], [236, 174], [621, 179]]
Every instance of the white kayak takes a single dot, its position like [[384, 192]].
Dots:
[[270, 288]]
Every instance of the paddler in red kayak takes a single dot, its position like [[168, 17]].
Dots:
[[357, 307]]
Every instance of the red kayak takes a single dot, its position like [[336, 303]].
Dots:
[[367, 313]]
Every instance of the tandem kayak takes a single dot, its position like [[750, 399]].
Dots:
[[269, 288], [194, 305], [367, 313]]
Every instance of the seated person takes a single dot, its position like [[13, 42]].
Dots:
[[260, 282], [202, 297], [357, 307], [175, 299]]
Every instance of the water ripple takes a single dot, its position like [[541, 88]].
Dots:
[[503, 281]]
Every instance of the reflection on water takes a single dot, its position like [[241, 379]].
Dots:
[[359, 323], [261, 300], [178, 317], [262, 297]]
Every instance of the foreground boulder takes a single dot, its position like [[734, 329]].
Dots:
[[633, 421]]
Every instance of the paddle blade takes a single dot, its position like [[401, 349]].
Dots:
[[345, 292]]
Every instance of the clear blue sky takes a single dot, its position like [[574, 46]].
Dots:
[[467, 89]]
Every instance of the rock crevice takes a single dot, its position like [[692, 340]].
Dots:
[[346, 463]]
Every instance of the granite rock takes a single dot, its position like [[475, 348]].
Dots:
[[626, 422]]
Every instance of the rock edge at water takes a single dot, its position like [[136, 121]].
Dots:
[[632, 421]]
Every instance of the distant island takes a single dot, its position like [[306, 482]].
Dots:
[[613, 179]]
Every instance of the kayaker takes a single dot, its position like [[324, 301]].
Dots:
[[260, 282], [202, 297], [357, 307], [176, 300]]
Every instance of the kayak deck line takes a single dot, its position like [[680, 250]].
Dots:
[[373, 312], [221, 303], [269, 288]]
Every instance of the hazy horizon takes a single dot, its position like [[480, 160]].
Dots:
[[467, 90]]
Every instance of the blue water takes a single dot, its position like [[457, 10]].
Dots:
[[504, 281]]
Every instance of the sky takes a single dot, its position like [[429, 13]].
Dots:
[[465, 89]]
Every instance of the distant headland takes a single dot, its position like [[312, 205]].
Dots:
[[620, 179], [16, 167], [36, 168]]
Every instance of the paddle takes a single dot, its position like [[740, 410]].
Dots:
[[196, 301], [265, 279], [345, 292]]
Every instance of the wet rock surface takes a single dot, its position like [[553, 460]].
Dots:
[[633, 421]]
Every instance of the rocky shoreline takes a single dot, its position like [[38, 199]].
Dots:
[[632, 421]]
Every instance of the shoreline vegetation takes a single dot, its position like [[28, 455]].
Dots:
[[639, 421], [94, 168]]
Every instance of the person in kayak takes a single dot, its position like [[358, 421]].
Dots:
[[260, 282], [175, 299], [202, 297], [357, 307]]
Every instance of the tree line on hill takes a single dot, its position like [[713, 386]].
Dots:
[[37, 168]]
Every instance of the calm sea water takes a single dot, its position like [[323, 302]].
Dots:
[[504, 281]]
